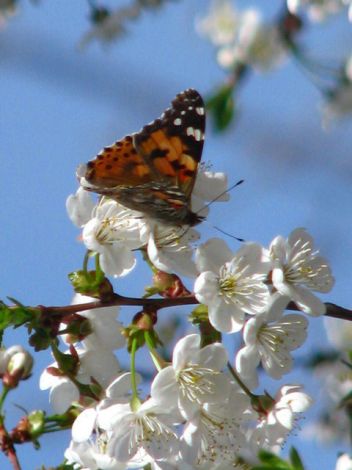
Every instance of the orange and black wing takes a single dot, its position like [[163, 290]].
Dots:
[[172, 145], [119, 164]]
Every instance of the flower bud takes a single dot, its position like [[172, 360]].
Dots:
[[19, 368], [21, 363], [169, 285]]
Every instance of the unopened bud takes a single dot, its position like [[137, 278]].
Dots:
[[169, 285], [18, 365], [163, 280], [21, 363]]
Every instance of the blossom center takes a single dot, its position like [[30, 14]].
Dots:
[[227, 284], [195, 382], [146, 429]]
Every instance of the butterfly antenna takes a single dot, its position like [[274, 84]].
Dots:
[[216, 199], [220, 195], [228, 234]]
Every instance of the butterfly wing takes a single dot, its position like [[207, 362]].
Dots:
[[172, 145], [119, 164]]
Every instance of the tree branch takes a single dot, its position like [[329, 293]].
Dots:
[[332, 310]]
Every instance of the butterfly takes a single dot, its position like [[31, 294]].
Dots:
[[154, 170]]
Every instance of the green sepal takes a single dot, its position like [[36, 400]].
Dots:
[[209, 334], [36, 423], [151, 290], [79, 328], [67, 363], [91, 283], [41, 339], [199, 314], [221, 106], [134, 333]]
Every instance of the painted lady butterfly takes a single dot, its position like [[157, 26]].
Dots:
[[153, 171]]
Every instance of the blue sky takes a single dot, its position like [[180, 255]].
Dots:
[[61, 105]]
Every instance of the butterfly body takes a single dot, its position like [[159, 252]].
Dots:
[[153, 171]]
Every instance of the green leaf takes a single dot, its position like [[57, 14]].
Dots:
[[16, 315], [222, 107], [273, 461], [321, 357], [278, 466], [5, 316], [296, 459]]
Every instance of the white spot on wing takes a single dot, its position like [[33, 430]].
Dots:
[[198, 135], [177, 121], [190, 131], [200, 111]]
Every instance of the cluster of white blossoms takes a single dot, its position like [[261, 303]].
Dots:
[[116, 232], [319, 10], [338, 100], [195, 417], [110, 24], [200, 412], [241, 37]]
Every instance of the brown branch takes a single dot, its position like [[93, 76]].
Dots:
[[8, 448], [332, 310], [119, 300]]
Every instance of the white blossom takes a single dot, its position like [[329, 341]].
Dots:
[[194, 378], [170, 248], [273, 427], [92, 455], [242, 37], [269, 338], [113, 233], [106, 330], [99, 364], [219, 25], [80, 207], [318, 10], [109, 25], [231, 284], [214, 434], [118, 392], [344, 462], [145, 433], [298, 270], [339, 332], [209, 186]]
